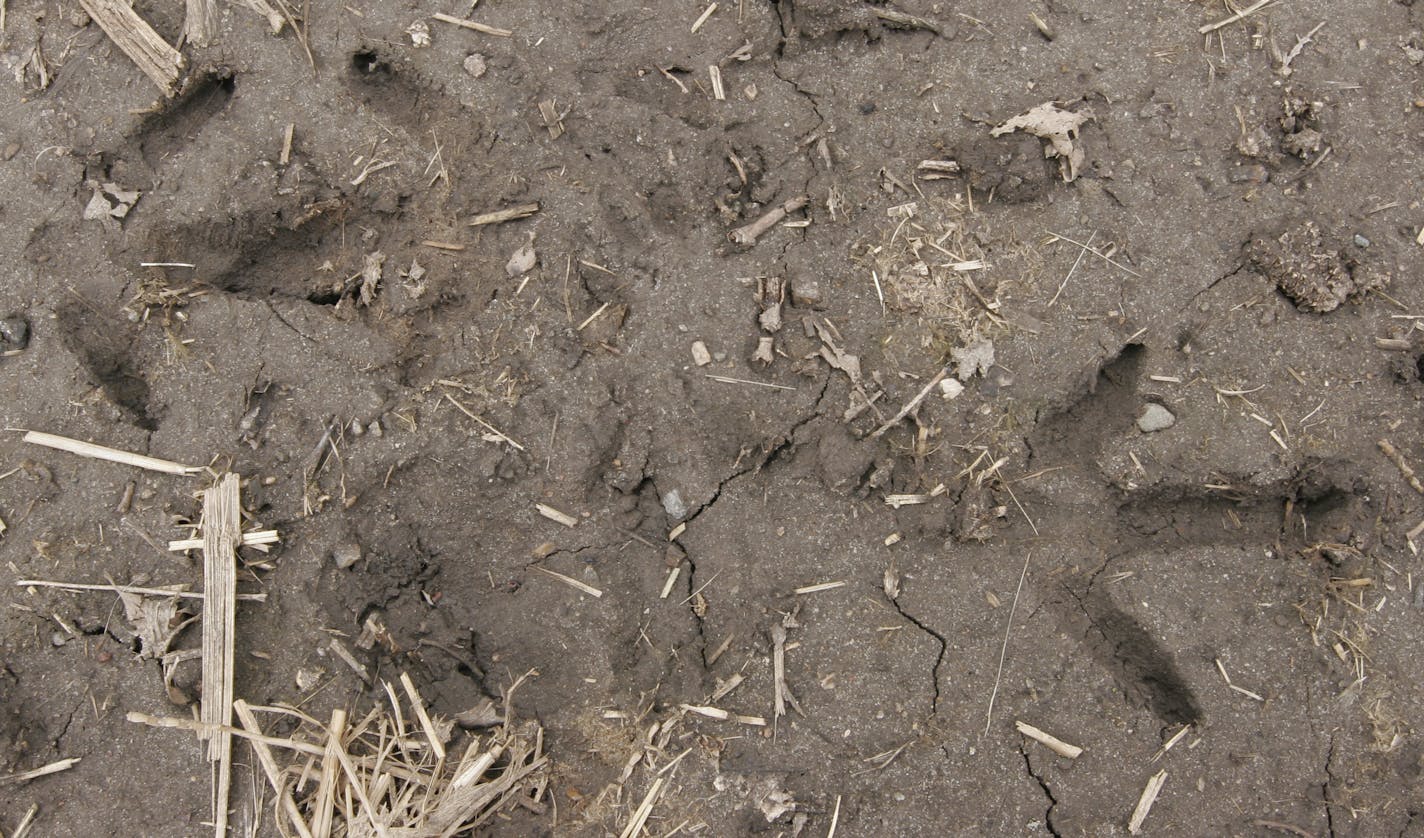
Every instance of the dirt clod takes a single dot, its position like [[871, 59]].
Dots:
[[1316, 274]]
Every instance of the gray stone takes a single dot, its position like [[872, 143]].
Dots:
[[1155, 417], [346, 555], [476, 65], [15, 331], [673, 505], [805, 292]]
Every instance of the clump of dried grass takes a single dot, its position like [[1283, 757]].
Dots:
[[931, 261], [394, 771]]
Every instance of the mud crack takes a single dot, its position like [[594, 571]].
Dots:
[[1047, 792], [939, 659], [1325, 788]]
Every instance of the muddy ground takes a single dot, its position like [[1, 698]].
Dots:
[[1252, 287]]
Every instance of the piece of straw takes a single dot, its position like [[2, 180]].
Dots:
[[1053, 743], [113, 455], [425, 724], [222, 531], [1144, 803]]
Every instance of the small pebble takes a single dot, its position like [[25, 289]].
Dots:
[[15, 331], [475, 65], [1361, 241], [700, 355], [59, 638], [346, 555], [950, 388], [673, 505], [1155, 417], [10, 151], [805, 292]]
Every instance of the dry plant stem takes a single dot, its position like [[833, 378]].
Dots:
[[748, 235], [778, 669], [1004, 650], [436, 746], [472, 25], [906, 21], [200, 727], [1241, 15], [911, 404], [249, 539], [199, 21], [1097, 253], [44, 770], [1053, 743], [640, 816], [326, 788], [1144, 803], [1076, 262], [1400, 463], [513, 213], [572, 582], [23, 829], [125, 589], [274, 18], [1289, 829], [222, 532], [269, 768], [503, 437], [113, 455], [135, 38]]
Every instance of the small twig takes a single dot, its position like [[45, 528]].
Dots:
[[135, 38], [1076, 262], [725, 379], [571, 582], [1294, 53], [44, 770], [436, 746], [911, 404], [1400, 463], [894, 17], [1096, 253], [1144, 803], [513, 213], [125, 589], [472, 25], [113, 455], [1004, 650], [501, 436], [1241, 15], [1053, 743], [1282, 827], [748, 234]]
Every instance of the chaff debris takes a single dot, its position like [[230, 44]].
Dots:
[[374, 775]]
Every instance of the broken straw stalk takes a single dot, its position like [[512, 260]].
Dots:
[[748, 234]]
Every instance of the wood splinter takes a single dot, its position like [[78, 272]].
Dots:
[[135, 38], [1388, 449], [748, 235]]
